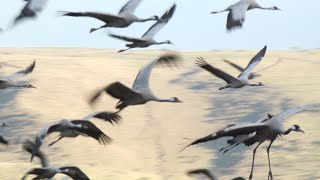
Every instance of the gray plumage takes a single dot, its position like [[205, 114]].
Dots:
[[8, 81], [237, 12], [124, 18], [28, 146], [147, 39], [110, 117], [30, 10], [233, 82], [140, 93], [264, 129]]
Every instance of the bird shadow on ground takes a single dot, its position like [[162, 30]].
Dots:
[[15, 118]]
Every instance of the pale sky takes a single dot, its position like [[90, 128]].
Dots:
[[191, 28]]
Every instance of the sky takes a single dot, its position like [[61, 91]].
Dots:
[[191, 28]]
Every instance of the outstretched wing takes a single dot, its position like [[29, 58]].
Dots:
[[107, 18], [126, 38], [130, 7], [116, 90], [215, 71], [30, 10], [236, 17], [74, 172], [142, 79], [54, 127], [36, 171], [91, 130], [154, 29], [286, 114], [253, 63], [107, 116], [24, 72], [28, 146], [235, 130]]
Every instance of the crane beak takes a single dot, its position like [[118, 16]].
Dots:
[[300, 130], [179, 101]]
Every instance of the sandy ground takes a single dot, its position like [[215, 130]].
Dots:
[[147, 142]]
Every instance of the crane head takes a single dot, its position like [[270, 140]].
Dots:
[[297, 128]]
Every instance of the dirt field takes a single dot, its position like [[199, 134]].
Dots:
[[147, 142]]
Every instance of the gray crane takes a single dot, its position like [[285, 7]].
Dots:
[[233, 82], [124, 18], [237, 12], [147, 39], [30, 10], [70, 128], [265, 129], [140, 93]]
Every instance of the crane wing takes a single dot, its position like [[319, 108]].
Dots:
[[234, 130], [116, 90], [142, 79], [155, 28], [24, 72], [107, 18], [215, 71], [36, 171], [126, 38], [36, 5], [74, 172], [46, 130], [28, 146], [107, 116], [253, 63], [286, 114], [91, 130], [130, 7], [30, 10], [236, 16]]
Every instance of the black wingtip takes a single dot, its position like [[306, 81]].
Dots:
[[31, 67], [263, 51], [200, 61], [104, 139], [109, 116], [185, 147]]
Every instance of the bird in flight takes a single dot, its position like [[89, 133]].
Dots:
[[233, 82]]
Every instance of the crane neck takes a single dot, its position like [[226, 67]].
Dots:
[[287, 131], [145, 20], [163, 100]]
